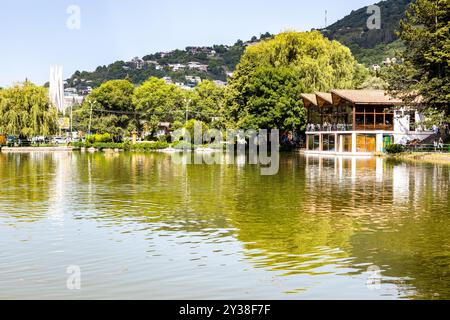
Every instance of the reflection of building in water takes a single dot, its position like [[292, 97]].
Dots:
[[60, 198], [371, 182], [348, 185], [400, 183]]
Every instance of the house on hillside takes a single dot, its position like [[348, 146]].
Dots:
[[137, 63], [193, 79], [197, 66], [177, 66], [360, 122]]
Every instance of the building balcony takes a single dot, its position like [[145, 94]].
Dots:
[[328, 127], [348, 127]]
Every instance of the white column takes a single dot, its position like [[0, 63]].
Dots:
[[379, 142], [336, 144], [341, 143]]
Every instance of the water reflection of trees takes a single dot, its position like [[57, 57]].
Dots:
[[26, 183], [278, 228], [151, 189], [344, 213]]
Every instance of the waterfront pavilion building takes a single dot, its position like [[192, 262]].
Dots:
[[359, 122]]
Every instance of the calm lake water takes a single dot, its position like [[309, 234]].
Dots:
[[141, 226]]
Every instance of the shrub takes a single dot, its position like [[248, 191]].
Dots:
[[99, 138], [108, 145], [150, 137], [99, 145], [149, 146], [395, 148]]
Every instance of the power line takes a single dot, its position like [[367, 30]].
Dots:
[[147, 113]]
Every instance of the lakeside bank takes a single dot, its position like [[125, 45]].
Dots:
[[420, 157], [417, 157], [37, 149]]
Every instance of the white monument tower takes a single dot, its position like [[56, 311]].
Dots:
[[56, 89]]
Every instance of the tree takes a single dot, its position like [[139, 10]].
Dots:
[[426, 68], [206, 101], [192, 126], [156, 101], [316, 63], [26, 111], [271, 100], [113, 110]]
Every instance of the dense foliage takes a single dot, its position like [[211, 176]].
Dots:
[[112, 109], [117, 108], [26, 111], [206, 102], [156, 101], [426, 68], [395, 148]]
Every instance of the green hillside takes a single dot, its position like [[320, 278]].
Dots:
[[218, 62], [370, 46]]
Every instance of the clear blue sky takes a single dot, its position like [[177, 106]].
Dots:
[[34, 33]]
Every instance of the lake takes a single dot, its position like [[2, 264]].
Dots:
[[139, 226]]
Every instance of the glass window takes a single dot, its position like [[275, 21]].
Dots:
[[313, 142], [360, 121], [366, 143], [316, 142], [360, 109], [328, 142], [379, 122], [389, 121], [346, 143], [310, 142], [370, 121]]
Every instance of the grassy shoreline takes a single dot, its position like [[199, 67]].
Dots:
[[421, 157]]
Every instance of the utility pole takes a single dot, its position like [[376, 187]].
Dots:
[[71, 122], [91, 103], [326, 19]]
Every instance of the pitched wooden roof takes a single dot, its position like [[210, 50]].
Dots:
[[324, 99], [364, 97], [309, 99]]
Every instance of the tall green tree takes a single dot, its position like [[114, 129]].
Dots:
[[156, 101], [206, 102], [426, 69], [271, 100], [316, 63], [26, 111], [113, 110]]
